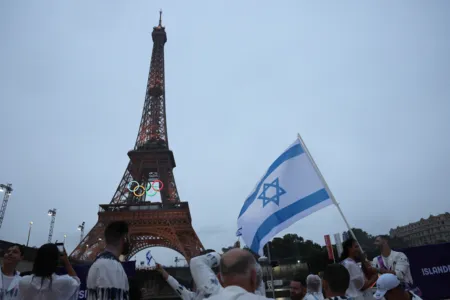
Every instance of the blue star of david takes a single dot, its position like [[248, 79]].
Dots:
[[275, 198]]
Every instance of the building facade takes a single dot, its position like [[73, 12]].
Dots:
[[434, 230]]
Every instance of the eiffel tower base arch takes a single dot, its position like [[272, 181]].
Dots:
[[150, 225]]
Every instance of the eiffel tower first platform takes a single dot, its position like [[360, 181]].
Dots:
[[166, 223]]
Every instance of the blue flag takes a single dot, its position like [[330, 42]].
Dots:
[[290, 190]]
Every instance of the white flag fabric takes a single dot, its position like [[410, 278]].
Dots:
[[290, 190], [338, 241]]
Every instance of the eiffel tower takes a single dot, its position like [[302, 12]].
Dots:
[[167, 223]]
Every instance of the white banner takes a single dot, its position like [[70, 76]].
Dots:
[[338, 241]]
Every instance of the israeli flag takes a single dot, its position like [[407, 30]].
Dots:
[[291, 189], [239, 232], [149, 257]]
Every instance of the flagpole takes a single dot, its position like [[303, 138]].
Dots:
[[270, 270], [327, 188]]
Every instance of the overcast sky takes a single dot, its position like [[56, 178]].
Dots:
[[366, 84]]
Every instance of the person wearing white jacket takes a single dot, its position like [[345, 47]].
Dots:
[[238, 276], [181, 290], [44, 284], [207, 282]]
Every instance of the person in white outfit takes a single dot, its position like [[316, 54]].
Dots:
[[9, 285], [313, 288], [358, 281], [181, 290], [44, 284], [393, 262], [202, 273], [238, 276], [205, 279], [107, 279]]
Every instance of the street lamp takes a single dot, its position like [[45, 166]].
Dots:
[[51, 213], [81, 228], [29, 232], [266, 264], [7, 188], [64, 241]]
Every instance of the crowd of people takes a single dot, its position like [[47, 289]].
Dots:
[[233, 275]]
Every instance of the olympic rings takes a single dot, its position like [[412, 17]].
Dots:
[[144, 189]]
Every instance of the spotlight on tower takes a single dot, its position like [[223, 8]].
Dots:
[[7, 188]]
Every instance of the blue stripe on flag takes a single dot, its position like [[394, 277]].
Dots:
[[292, 152], [286, 213]]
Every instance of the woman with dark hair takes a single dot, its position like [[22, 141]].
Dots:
[[358, 282], [44, 284]]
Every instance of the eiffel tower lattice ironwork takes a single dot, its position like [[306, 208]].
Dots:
[[166, 223]]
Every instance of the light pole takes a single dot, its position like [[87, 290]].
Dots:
[[265, 263], [81, 228], [64, 241], [29, 232], [7, 188], [51, 213]]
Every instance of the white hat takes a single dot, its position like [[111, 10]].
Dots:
[[385, 283]]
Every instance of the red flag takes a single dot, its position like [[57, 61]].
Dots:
[[329, 247]]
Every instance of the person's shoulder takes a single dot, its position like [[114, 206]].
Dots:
[[399, 255], [395, 253], [57, 278], [25, 280], [102, 263]]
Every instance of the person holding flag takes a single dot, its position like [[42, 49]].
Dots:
[[182, 291]]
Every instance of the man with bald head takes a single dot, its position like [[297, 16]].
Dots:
[[238, 276]]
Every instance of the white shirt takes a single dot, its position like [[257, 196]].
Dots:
[[357, 279], [107, 279], [398, 262], [182, 291], [313, 296], [9, 286], [62, 287], [234, 293], [205, 280]]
